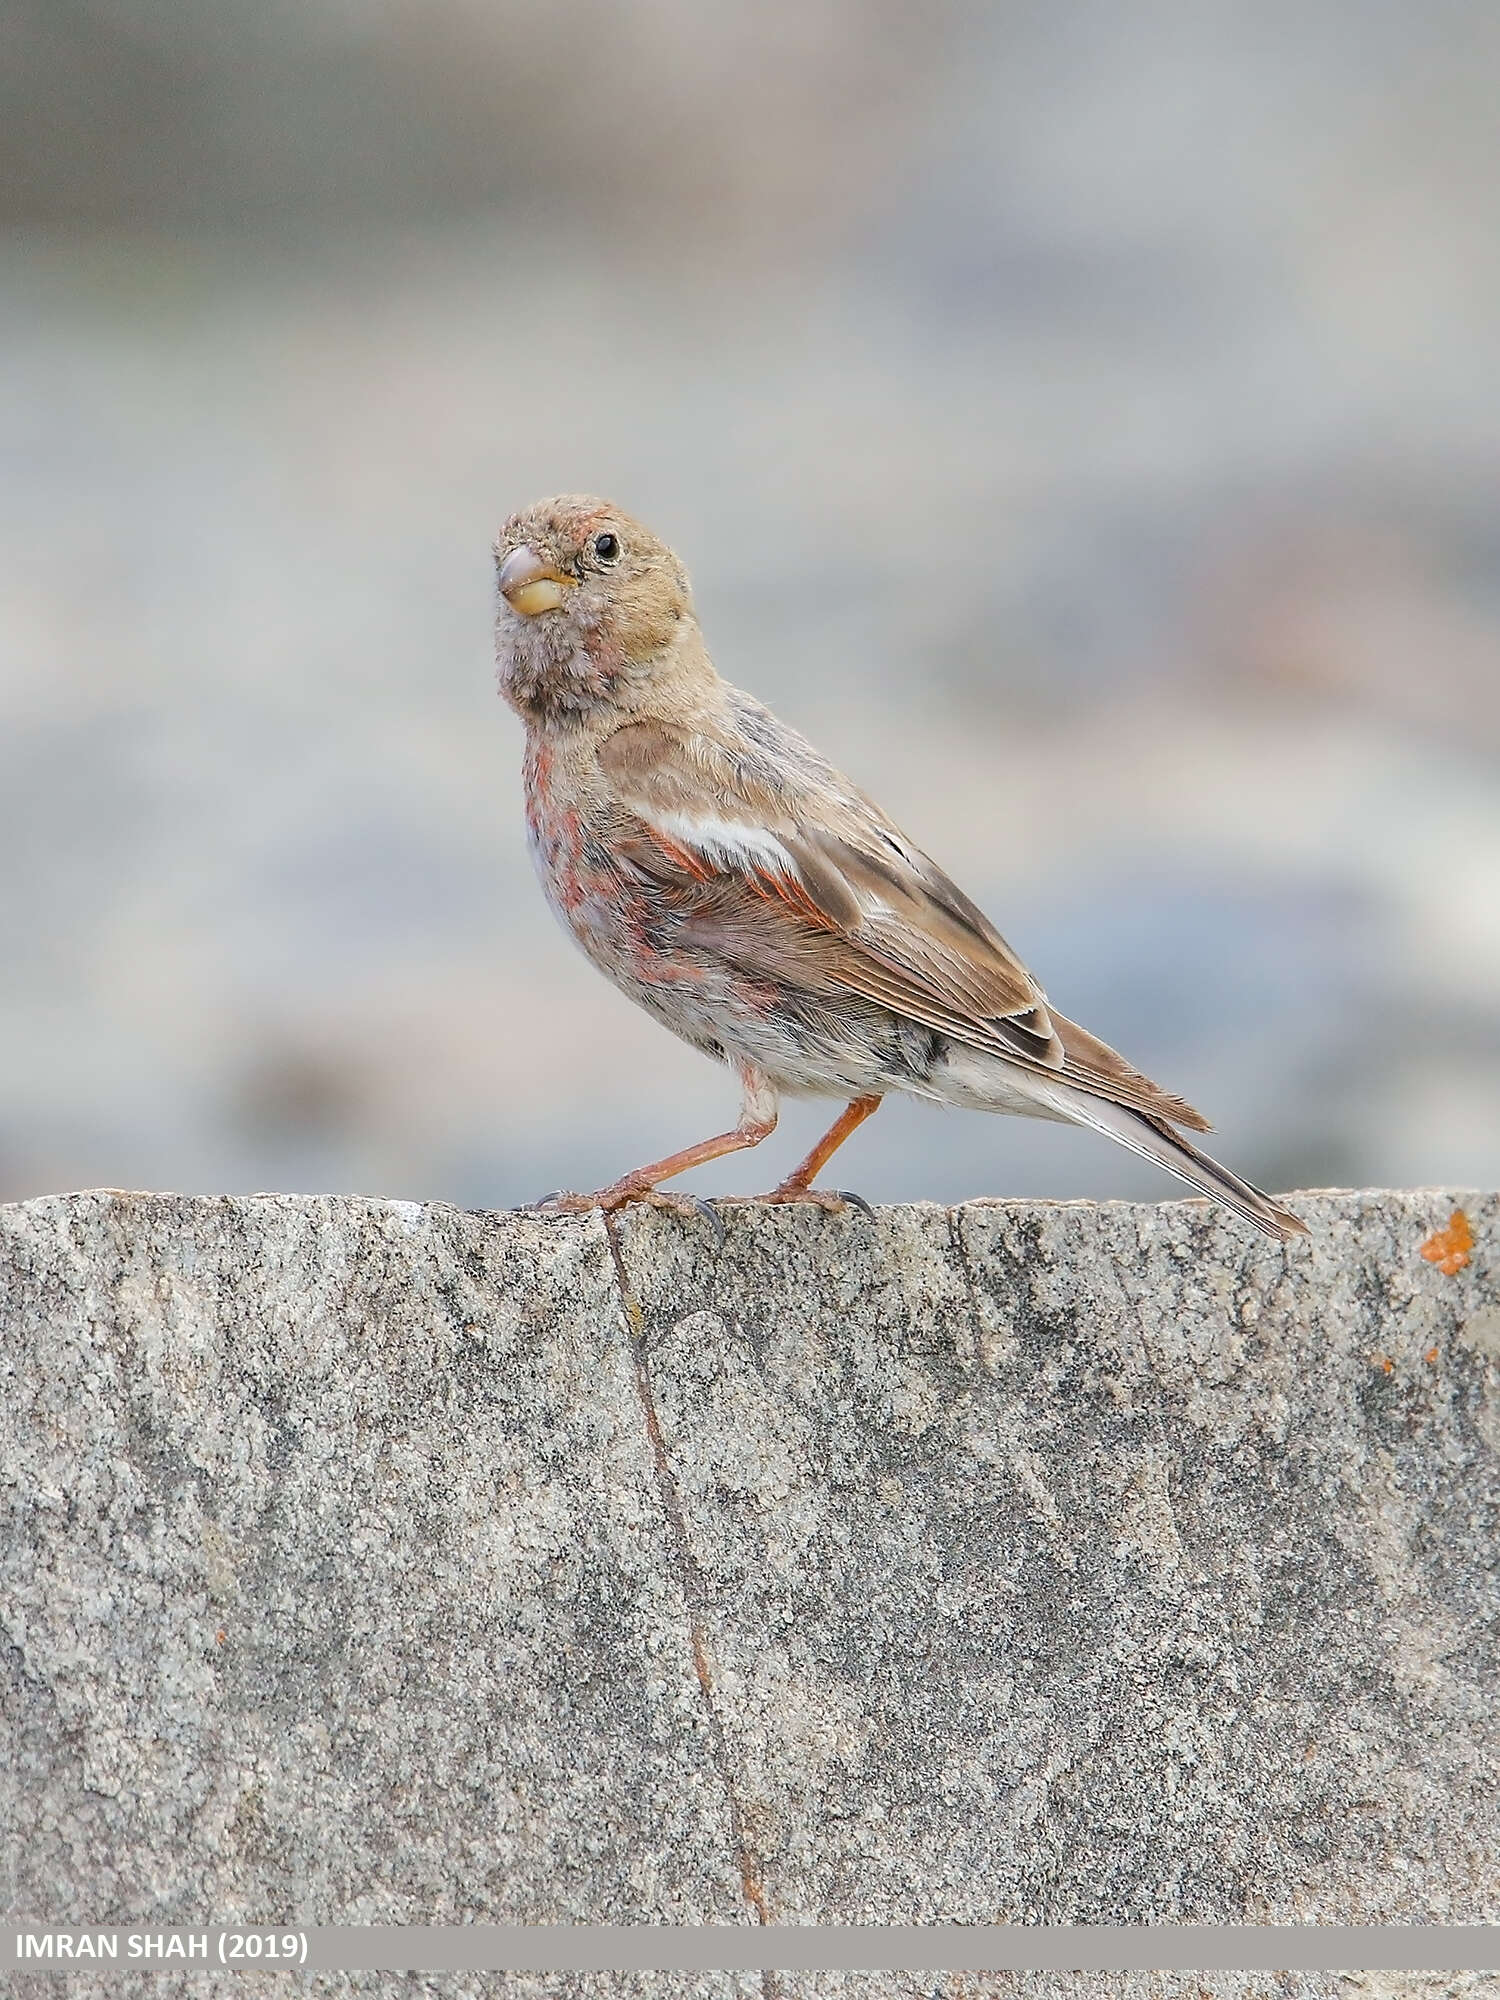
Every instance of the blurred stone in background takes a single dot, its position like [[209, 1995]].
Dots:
[[1081, 421]]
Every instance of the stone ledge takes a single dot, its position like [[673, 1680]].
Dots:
[[367, 1562]]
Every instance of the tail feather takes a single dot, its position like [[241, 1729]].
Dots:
[[1153, 1139], [1090, 1064]]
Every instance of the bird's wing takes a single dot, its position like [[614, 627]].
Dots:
[[734, 815]]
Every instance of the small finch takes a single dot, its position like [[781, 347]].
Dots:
[[724, 875]]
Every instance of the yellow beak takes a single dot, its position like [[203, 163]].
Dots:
[[530, 585]]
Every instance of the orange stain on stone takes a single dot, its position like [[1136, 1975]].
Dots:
[[1449, 1248]]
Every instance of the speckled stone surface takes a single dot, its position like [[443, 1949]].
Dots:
[[365, 1562]]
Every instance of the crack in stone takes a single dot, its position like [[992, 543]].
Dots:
[[695, 1596], [958, 1245]]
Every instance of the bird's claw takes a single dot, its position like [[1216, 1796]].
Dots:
[[713, 1218], [832, 1201], [611, 1199]]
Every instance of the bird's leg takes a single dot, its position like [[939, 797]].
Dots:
[[797, 1187], [758, 1108]]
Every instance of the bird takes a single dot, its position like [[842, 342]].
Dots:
[[737, 886]]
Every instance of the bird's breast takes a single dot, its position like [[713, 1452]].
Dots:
[[596, 903], [552, 828]]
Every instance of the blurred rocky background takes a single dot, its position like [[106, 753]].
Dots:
[[1082, 420]]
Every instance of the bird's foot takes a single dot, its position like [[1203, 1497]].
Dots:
[[611, 1199], [833, 1201]]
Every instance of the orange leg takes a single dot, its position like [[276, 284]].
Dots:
[[757, 1121], [798, 1184]]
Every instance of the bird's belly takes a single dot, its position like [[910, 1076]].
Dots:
[[816, 1045], [615, 924], [807, 1048]]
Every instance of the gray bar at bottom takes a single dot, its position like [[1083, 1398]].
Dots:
[[751, 1948]]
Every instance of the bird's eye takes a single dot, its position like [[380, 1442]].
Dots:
[[606, 548]]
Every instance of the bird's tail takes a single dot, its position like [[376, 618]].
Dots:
[[1154, 1139]]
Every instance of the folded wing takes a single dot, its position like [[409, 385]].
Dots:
[[778, 860]]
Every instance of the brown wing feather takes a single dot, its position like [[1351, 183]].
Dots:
[[1096, 1066], [918, 927], [875, 916], [918, 944]]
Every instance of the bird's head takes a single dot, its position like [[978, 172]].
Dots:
[[592, 608]]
